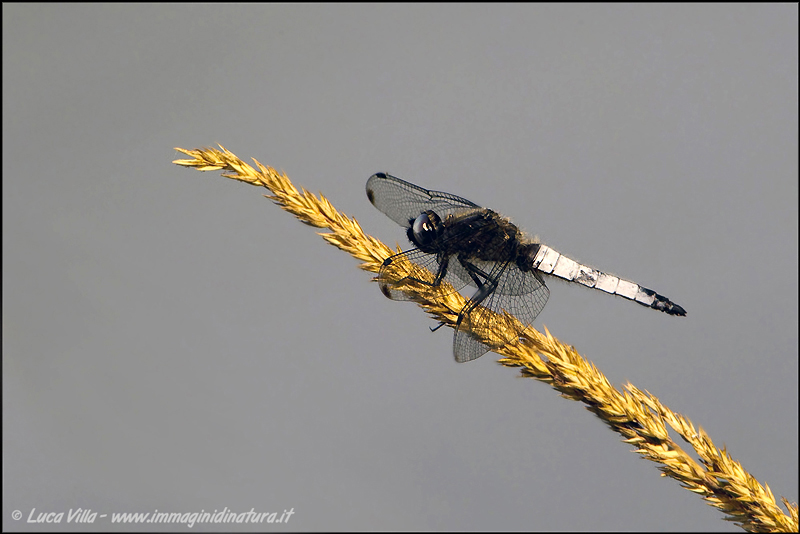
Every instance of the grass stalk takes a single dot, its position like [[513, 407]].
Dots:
[[637, 415]]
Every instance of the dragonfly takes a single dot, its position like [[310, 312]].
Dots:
[[463, 244]]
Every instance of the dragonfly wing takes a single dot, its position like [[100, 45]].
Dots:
[[522, 295], [402, 201], [419, 266]]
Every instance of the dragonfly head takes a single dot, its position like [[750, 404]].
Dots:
[[425, 229]]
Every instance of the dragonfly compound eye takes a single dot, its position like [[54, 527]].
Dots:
[[426, 228]]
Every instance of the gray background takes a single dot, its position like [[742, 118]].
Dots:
[[173, 341]]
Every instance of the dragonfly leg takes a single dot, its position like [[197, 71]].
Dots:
[[485, 288]]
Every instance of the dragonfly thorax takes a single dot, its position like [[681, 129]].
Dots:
[[480, 234]]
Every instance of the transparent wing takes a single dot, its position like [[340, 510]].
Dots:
[[402, 201], [419, 266], [521, 294]]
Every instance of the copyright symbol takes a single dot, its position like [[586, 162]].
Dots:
[[16, 515]]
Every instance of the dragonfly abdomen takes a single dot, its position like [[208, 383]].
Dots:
[[546, 260]]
